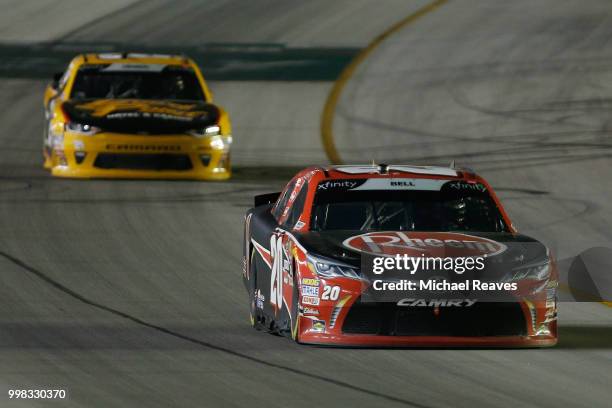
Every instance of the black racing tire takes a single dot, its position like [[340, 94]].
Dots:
[[46, 145], [254, 314], [295, 305]]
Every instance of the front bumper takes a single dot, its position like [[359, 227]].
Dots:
[[430, 341], [525, 322], [110, 155]]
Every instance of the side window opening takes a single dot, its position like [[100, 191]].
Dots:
[[280, 205], [297, 207]]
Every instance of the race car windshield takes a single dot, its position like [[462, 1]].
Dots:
[[432, 211], [169, 83]]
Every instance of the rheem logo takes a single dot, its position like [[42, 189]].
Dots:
[[447, 244]]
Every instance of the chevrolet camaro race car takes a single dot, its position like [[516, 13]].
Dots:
[[304, 251], [134, 116]]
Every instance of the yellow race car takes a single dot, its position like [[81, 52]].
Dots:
[[134, 116]]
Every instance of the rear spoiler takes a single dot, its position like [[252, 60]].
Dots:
[[264, 199]]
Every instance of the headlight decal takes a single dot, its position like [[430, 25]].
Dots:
[[537, 271], [329, 268], [82, 128]]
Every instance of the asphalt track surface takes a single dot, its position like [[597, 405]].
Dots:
[[128, 293]]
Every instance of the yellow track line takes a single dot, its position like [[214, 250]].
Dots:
[[329, 110], [327, 119], [566, 288]]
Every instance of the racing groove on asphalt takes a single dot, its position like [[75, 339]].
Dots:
[[164, 330], [128, 293]]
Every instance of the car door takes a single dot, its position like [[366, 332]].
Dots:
[[282, 279], [269, 257]]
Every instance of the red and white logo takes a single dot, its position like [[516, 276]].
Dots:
[[431, 244]]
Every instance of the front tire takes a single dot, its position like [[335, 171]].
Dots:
[[295, 307], [46, 149]]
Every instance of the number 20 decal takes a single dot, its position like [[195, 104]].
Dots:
[[330, 293], [276, 279]]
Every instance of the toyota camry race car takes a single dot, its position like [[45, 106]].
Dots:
[[310, 252], [134, 116]]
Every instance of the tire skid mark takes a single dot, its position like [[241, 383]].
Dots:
[[124, 315]]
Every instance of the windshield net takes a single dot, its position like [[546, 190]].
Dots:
[[169, 83], [380, 210]]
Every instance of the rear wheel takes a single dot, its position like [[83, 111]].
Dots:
[[254, 315]]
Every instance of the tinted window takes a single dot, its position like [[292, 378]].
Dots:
[[170, 83], [297, 207], [376, 210], [278, 209]]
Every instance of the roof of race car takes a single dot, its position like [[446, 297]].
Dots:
[[134, 58], [391, 170], [388, 168]]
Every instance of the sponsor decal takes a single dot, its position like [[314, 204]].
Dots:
[[310, 300], [318, 326], [146, 115], [310, 281], [449, 244], [129, 109], [110, 55], [310, 311], [467, 185], [310, 290], [339, 184], [409, 302], [278, 269], [402, 183], [143, 147], [381, 184], [131, 67], [143, 55], [299, 225]]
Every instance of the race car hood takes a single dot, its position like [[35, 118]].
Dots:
[[509, 250], [142, 116]]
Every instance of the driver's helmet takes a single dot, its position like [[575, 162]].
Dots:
[[457, 213]]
